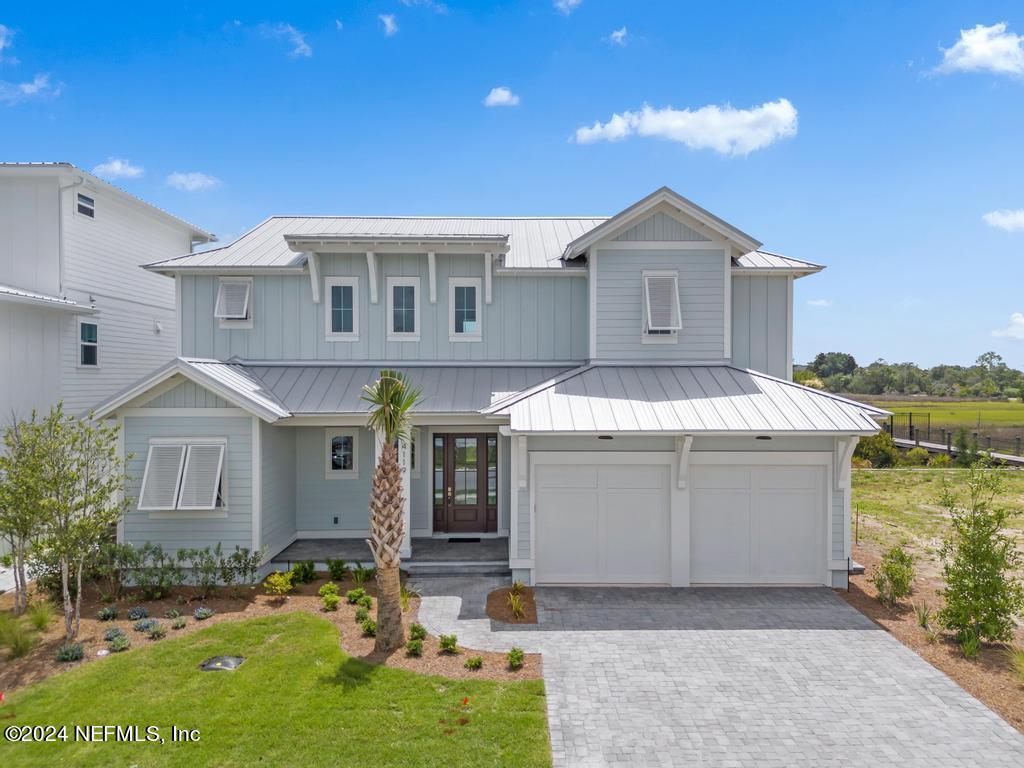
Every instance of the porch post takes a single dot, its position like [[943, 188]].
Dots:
[[405, 550]]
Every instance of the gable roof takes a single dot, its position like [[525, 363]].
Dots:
[[21, 296]]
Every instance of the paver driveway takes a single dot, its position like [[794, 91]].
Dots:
[[730, 677]]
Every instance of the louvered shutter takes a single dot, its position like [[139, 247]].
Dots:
[[662, 302], [160, 479], [233, 300], [200, 482]]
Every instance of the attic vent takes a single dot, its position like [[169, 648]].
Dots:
[[233, 300], [661, 292]]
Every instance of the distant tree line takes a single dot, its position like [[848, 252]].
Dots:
[[839, 372]]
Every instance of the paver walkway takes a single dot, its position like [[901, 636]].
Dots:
[[730, 677]]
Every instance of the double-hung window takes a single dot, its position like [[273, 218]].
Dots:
[[342, 452], [403, 308], [464, 321], [342, 308], [233, 307], [88, 343], [662, 317], [184, 475]]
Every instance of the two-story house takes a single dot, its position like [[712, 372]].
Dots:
[[78, 318], [606, 401]]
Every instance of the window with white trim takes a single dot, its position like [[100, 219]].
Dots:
[[342, 453], [341, 306], [662, 317], [403, 309], [464, 321], [233, 307], [88, 343], [184, 475], [86, 205]]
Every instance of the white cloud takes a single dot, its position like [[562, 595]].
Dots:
[[438, 8], [1015, 330], [1010, 220], [985, 49], [726, 130], [567, 6], [297, 39], [338, 25], [390, 25], [501, 97], [117, 168], [193, 181], [819, 302], [39, 89], [6, 41], [619, 37]]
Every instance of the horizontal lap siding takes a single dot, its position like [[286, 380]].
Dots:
[[176, 533], [277, 518], [760, 324], [318, 499], [839, 517]]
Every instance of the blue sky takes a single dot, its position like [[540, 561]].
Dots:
[[870, 136]]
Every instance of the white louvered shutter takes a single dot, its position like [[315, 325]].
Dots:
[[662, 302], [200, 482], [160, 480], [233, 300]]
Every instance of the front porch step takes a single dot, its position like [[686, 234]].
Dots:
[[500, 569]]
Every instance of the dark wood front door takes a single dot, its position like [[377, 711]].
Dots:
[[465, 483]]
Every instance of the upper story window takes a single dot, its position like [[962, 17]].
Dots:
[[403, 308], [88, 343], [342, 308], [662, 317], [86, 206], [233, 307], [464, 309], [342, 451], [184, 474]]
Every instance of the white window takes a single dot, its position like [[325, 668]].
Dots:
[[464, 320], [186, 474], [662, 318], [88, 343], [342, 453], [341, 306], [403, 308], [86, 205], [234, 302]]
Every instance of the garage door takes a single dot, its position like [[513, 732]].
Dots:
[[601, 523], [753, 524]]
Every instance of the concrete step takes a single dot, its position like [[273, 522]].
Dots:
[[457, 569]]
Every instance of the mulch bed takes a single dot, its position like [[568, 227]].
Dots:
[[988, 677], [249, 604], [498, 608]]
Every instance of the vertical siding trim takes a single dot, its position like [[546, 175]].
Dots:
[[727, 285], [257, 487], [789, 328], [592, 303], [177, 314]]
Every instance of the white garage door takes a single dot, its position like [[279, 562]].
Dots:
[[752, 524], [601, 523]]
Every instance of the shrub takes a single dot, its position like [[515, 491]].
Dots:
[[172, 613], [179, 622], [414, 647], [449, 644], [474, 662], [113, 632], [330, 588], [279, 583], [330, 602], [114, 563], [916, 457], [19, 639], [138, 612], [969, 646], [365, 602], [7, 621], [119, 643], [70, 652], [353, 596], [417, 631], [369, 627], [144, 625], [515, 604], [407, 594], [940, 460], [923, 612], [156, 571], [362, 614], [40, 614], [107, 613], [516, 658], [338, 569], [158, 631], [966, 446], [205, 567], [979, 560], [1015, 657], [517, 588], [894, 576], [202, 613], [360, 575], [879, 449], [303, 572]]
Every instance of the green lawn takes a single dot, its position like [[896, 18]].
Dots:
[[298, 700], [962, 414]]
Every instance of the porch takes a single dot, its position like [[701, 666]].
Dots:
[[430, 554]]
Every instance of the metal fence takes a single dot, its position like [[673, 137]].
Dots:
[[910, 426], [918, 427]]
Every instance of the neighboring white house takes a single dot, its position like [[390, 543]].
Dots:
[[78, 318], [607, 401]]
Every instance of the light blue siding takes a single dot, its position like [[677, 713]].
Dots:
[[188, 394], [761, 324], [620, 304], [317, 499], [525, 521], [182, 530], [530, 318], [660, 227], [277, 498], [839, 514]]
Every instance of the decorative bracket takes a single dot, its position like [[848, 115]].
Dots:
[[371, 266], [683, 445], [845, 446], [314, 274], [488, 279], [432, 274]]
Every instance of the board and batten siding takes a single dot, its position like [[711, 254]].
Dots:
[[660, 227], [188, 394], [317, 499], [30, 351], [277, 495], [619, 304], [530, 318], [761, 324], [175, 530], [31, 239]]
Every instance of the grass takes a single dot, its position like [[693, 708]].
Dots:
[[297, 700], [970, 415]]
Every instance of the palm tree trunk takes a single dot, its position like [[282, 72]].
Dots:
[[390, 634], [387, 529]]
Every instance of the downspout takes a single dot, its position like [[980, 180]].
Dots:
[[60, 232]]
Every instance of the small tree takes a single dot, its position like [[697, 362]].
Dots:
[[982, 596], [966, 454], [895, 576]]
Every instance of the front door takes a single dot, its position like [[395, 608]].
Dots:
[[465, 483]]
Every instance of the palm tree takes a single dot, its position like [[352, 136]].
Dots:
[[392, 401]]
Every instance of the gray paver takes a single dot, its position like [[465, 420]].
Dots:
[[729, 677]]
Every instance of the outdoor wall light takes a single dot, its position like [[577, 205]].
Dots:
[[605, 437], [763, 437]]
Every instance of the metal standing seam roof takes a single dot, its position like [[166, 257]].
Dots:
[[681, 399], [10, 293], [769, 260]]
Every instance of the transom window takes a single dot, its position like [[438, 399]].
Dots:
[[342, 319], [86, 206], [88, 344], [662, 317], [186, 475], [464, 309], [234, 302], [403, 308], [342, 449]]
